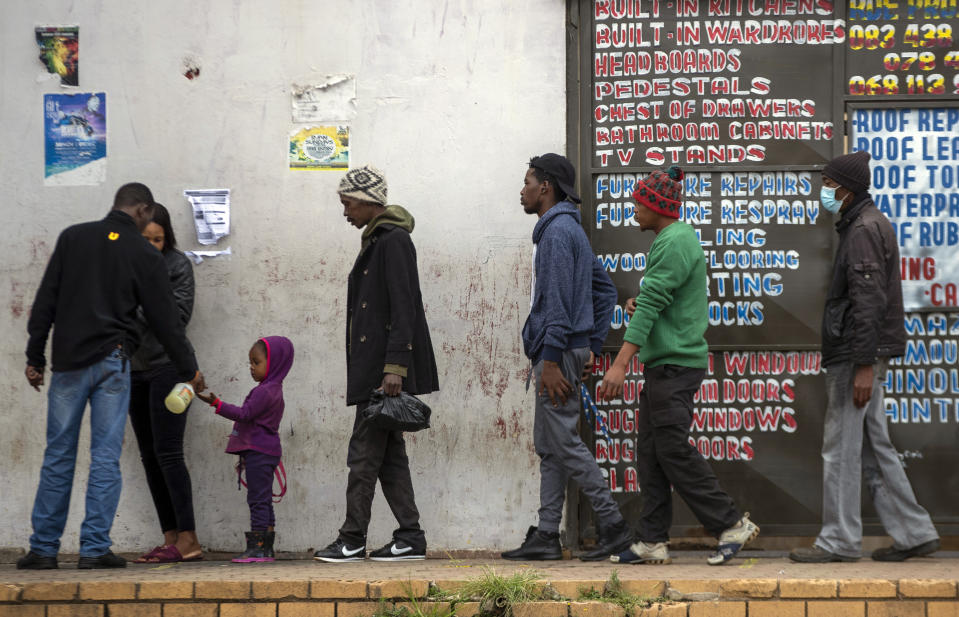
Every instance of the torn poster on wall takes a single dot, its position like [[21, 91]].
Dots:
[[332, 99], [211, 213], [60, 52], [75, 139], [198, 256], [320, 147]]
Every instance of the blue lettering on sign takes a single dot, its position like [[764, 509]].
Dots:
[[938, 233], [887, 148], [939, 120]]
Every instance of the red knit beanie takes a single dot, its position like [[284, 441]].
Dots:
[[661, 191]]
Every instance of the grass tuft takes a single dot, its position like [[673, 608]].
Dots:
[[614, 593], [417, 607], [498, 593]]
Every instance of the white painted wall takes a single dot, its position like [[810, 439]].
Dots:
[[452, 99]]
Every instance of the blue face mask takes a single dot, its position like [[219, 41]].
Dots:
[[827, 197]]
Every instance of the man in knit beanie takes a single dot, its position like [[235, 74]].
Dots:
[[862, 327], [365, 184], [388, 348], [667, 328]]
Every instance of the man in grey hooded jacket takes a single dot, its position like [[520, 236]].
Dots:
[[572, 300]]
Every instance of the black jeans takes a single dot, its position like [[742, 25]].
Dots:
[[160, 437], [375, 454], [666, 457]]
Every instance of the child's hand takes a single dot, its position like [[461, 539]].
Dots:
[[207, 398]]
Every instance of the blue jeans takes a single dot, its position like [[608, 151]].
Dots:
[[106, 385]]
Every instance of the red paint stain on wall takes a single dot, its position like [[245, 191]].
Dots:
[[16, 300], [500, 424]]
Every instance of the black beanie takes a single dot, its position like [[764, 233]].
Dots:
[[850, 170]]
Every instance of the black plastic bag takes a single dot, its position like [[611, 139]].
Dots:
[[404, 412]]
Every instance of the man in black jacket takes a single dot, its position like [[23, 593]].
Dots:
[[862, 327], [387, 346], [97, 276]]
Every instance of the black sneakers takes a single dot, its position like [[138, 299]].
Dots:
[[106, 560], [32, 561], [891, 553], [612, 541], [538, 546], [340, 551], [397, 550]]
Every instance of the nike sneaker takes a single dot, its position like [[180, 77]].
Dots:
[[340, 551], [644, 552], [733, 539], [397, 550]]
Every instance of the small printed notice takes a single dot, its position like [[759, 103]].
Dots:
[[60, 52], [320, 147], [75, 139], [211, 213]]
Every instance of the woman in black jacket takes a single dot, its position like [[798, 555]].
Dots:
[[159, 433]]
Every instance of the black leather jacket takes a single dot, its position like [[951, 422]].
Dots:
[[150, 353], [864, 320]]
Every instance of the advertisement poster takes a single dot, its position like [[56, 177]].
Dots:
[[75, 139], [914, 183], [320, 147], [902, 49], [60, 52]]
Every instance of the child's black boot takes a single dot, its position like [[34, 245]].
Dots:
[[268, 545], [256, 548]]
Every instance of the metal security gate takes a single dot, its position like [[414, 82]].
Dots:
[[751, 99]]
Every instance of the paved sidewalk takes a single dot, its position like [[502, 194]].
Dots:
[[686, 565]]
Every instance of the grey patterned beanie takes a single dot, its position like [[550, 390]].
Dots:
[[364, 183]]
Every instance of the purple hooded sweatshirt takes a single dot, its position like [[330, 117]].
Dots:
[[257, 425]]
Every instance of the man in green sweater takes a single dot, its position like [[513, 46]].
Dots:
[[667, 327]]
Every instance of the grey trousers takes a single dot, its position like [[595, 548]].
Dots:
[[562, 453], [856, 448]]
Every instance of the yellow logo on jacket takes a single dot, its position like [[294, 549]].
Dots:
[[113, 235]]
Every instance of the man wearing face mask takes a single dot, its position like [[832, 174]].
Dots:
[[862, 327]]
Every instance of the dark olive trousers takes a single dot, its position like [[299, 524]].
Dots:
[[374, 455]]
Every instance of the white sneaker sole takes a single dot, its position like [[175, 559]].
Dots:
[[399, 558], [643, 562], [640, 561], [338, 559]]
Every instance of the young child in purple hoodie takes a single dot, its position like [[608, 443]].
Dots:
[[256, 439]]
